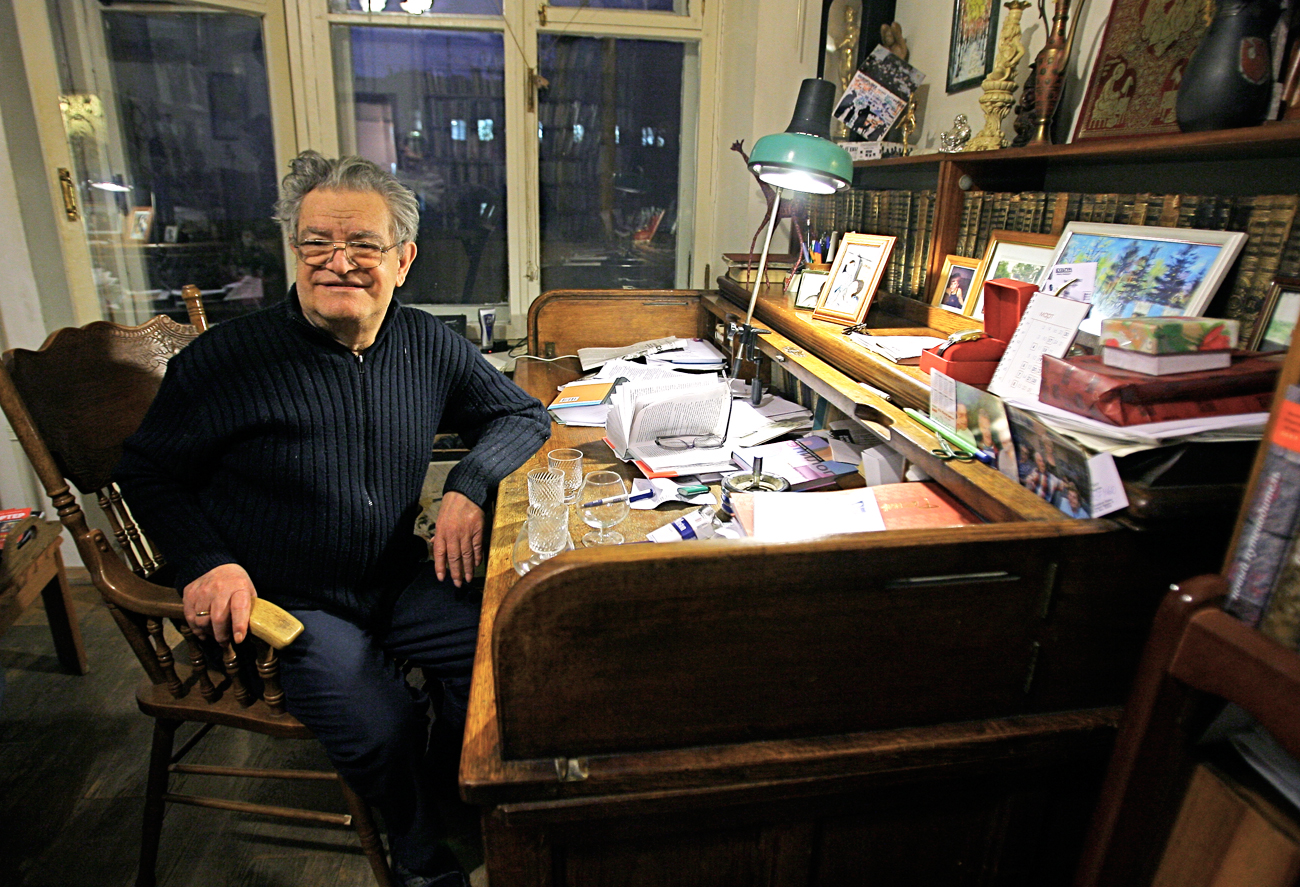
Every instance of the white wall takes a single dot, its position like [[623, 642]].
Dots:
[[927, 27], [768, 47]]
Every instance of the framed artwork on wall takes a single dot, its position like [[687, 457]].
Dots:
[[859, 265], [1148, 272], [973, 43], [1133, 81]]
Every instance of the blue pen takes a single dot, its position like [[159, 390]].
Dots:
[[625, 497]]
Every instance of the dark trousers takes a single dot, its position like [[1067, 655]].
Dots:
[[348, 686]]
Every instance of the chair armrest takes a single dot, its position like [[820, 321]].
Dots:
[[125, 589], [273, 624]]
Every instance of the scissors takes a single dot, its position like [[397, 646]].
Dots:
[[947, 453]]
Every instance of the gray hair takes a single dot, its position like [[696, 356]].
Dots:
[[310, 170]]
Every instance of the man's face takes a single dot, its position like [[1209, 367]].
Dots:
[[338, 296]]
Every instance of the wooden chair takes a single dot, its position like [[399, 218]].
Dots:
[[1196, 657], [72, 404]]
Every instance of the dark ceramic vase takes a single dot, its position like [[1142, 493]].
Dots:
[[1229, 78]]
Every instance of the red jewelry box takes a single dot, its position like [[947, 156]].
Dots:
[[1005, 301]]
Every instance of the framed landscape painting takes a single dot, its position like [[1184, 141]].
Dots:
[[1014, 255], [1277, 319], [1145, 271]]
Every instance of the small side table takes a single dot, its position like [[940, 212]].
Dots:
[[30, 564]]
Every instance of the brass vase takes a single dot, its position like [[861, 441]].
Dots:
[[1049, 74]]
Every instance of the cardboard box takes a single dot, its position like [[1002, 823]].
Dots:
[[1170, 335]]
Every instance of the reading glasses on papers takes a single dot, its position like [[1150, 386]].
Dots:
[[689, 442], [361, 253]]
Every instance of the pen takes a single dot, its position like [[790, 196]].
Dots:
[[952, 438], [624, 497]]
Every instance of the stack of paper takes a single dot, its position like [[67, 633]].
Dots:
[[688, 354], [899, 349], [591, 358]]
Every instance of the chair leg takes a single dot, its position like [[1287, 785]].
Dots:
[[160, 756], [364, 822]]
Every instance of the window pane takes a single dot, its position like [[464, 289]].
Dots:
[[678, 6], [610, 131], [195, 203], [419, 7], [429, 105]]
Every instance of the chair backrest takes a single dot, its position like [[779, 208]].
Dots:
[[72, 404]]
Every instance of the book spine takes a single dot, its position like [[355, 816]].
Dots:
[[1281, 620], [1270, 520]]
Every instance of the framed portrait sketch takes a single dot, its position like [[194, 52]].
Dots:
[[954, 289], [1151, 272], [859, 264], [1011, 254], [974, 40], [1278, 317]]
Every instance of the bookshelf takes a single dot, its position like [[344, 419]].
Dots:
[[1236, 164]]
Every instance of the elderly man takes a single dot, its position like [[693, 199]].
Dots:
[[284, 458]]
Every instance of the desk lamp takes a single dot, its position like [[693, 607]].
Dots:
[[803, 158]]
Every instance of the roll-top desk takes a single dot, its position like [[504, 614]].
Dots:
[[930, 707]]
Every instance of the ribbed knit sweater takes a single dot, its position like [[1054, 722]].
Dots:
[[273, 446]]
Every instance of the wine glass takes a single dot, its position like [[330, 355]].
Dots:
[[604, 505]]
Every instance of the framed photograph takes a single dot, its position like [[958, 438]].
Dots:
[[1011, 254], [954, 287], [855, 274], [974, 41], [1134, 78], [139, 224], [1148, 272], [1278, 317]]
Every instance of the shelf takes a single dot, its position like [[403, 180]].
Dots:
[[1280, 139]]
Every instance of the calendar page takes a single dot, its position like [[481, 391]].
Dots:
[[1048, 327]]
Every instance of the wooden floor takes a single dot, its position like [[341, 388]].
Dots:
[[73, 752]]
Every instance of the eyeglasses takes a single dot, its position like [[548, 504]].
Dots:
[[361, 253], [689, 442]]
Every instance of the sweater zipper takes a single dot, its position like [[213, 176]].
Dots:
[[365, 426]]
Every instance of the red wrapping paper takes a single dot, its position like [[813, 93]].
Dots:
[[1086, 386]]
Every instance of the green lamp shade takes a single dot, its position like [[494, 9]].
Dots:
[[801, 162]]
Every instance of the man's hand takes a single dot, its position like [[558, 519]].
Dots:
[[457, 544], [218, 603]]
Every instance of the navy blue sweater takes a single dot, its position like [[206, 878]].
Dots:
[[273, 446]]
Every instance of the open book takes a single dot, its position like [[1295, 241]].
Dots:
[[642, 411]]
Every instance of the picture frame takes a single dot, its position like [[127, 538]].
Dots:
[[954, 289], [1018, 255], [1278, 317], [855, 275], [1177, 269], [973, 43], [139, 224]]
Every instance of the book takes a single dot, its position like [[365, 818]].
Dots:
[[644, 412], [806, 463], [583, 403], [1270, 518], [1165, 364], [877, 94], [10, 518], [1281, 617], [791, 517]]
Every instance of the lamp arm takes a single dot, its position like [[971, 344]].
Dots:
[[762, 261]]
